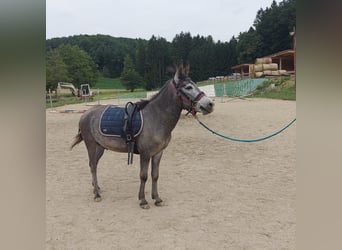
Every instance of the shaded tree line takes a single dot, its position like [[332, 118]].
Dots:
[[148, 60], [69, 63]]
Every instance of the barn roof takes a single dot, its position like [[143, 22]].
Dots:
[[243, 65], [284, 53]]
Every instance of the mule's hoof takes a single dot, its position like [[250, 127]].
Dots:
[[145, 206], [159, 203], [97, 198]]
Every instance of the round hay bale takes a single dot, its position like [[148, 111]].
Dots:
[[259, 74], [264, 60], [258, 68], [267, 72], [270, 66]]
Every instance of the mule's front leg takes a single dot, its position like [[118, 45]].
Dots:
[[155, 175], [144, 162]]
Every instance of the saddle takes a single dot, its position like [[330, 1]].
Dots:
[[130, 110], [126, 123]]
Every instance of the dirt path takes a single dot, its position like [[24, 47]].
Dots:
[[218, 194]]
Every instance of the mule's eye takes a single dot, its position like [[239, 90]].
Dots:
[[188, 87]]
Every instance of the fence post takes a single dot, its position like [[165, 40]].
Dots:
[[50, 98]]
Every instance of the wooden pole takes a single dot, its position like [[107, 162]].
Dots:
[[50, 98], [294, 48]]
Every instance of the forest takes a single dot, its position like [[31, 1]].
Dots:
[[144, 63]]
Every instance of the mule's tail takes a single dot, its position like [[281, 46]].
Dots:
[[78, 138]]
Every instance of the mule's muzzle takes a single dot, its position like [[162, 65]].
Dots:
[[205, 105]]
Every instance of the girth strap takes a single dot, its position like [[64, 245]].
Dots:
[[130, 109]]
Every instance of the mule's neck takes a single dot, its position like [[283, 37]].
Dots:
[[165, 107]]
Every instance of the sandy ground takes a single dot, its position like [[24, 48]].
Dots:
[[218, 194]]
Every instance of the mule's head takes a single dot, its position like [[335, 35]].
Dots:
[[191, 97]]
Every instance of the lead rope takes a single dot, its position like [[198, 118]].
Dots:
[[245, 140]]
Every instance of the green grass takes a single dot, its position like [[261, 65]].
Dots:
[[67, 99], [286, 93], [108, 83], [282, 88], [108, 88]]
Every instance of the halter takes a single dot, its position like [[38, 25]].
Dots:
[[189, 102]]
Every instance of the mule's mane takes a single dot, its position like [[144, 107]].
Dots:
[[182, 75], [143, 103]]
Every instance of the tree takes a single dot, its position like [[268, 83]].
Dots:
[[182, 45], [247, 46], [273, 25], [81, 68], [130, 77], [140, 59], [232, 54], [202, 58], [151, 58], [104, 50], [56, 70], [156, 61]]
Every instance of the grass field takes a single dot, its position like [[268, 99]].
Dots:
[[282, 88], [276, 88], [109, 83], [287, 93]]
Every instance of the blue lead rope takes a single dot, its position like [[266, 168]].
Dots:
[[242, 140]]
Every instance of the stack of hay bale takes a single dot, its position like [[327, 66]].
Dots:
[[265, 67]]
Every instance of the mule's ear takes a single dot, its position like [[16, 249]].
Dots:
[[176, 77], [180, 69], [187, 69], [179, 73]]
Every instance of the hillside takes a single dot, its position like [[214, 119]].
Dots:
[[277, 88]]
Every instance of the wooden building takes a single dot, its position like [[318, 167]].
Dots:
[[242, 71], [284, 59]]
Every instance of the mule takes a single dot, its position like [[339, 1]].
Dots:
[[160, 116]]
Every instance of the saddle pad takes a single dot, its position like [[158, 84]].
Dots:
[[112, 122]]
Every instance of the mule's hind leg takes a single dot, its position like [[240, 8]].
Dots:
[[95, 151], [144, 162], [155, 175]]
